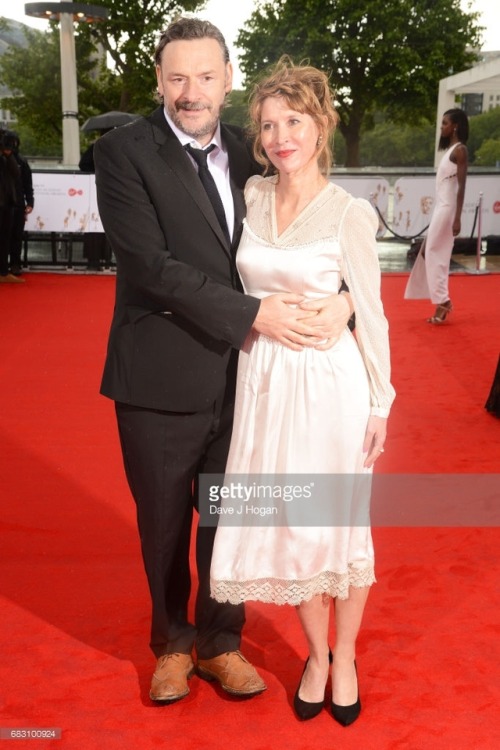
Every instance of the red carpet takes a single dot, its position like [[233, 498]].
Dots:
[[73, 598]]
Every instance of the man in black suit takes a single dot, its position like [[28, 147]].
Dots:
[[179, 318]]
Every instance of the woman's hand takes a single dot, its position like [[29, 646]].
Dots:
[[373, 446], [455, 227], [333, 312], [280, 318]]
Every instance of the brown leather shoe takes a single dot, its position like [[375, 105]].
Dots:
[[234, 673], [169, 681]]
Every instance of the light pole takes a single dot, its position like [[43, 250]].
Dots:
[[68, 13]]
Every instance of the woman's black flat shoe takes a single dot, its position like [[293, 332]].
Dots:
[[303, 709], [346, 715]]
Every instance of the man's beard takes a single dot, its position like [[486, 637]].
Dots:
[[195, 131]]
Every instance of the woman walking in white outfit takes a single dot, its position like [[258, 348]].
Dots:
[[429, 277]]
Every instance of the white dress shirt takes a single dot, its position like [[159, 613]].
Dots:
[[218, 164]]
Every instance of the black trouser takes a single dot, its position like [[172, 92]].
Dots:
[[94, 248], [5, 236], [163, 452], [16, 237]]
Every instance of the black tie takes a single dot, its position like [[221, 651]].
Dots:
[[208, 182]]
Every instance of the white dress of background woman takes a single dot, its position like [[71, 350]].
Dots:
[[429, 277]]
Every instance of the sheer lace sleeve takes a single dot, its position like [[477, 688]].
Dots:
[[251, 184], [361, 272]]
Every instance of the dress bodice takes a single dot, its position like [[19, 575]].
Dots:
[[311, 269], [446, 179], [333, 238]]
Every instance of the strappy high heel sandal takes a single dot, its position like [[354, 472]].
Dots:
[[442, 312]]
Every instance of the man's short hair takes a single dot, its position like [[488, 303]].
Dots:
[[187, 29]]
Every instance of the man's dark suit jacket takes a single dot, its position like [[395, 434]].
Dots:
[[178, 312]]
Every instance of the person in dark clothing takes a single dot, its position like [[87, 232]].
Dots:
[[95, 245], [86, 163], [9, 178], [23, 197]]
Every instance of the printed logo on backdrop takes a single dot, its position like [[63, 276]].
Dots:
[[68, 203], [414, 203], [64, 203]]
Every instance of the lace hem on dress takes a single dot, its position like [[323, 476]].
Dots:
[[280, 591]]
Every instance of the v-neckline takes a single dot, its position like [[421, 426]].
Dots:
[[274, 217]]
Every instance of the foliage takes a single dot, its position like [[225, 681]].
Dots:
[[380, 54], [33, 76], [393, 145], [389, 144], [488, 155], [482, 128], [236, 109]]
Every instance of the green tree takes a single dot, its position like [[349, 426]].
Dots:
[[393, 145], [236, 108], [488, 155], [380, 54], [35, 88], [483, 127], [33, 76]]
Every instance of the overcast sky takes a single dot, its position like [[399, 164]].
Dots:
[[230, 16]]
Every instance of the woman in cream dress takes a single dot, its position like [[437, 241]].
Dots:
[[429, 276], [315, 411]]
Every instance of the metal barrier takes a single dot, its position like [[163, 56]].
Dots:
[[67, 250]]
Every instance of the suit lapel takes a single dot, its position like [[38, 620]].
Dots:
[[172, 152]]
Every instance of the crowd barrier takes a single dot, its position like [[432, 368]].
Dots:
[[66, 215]]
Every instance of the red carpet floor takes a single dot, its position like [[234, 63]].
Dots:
[[73, 599]]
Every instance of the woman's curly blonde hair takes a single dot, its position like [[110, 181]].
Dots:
[[305, 89]]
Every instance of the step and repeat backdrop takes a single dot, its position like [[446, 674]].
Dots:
[[66, 202], [414, 201]]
